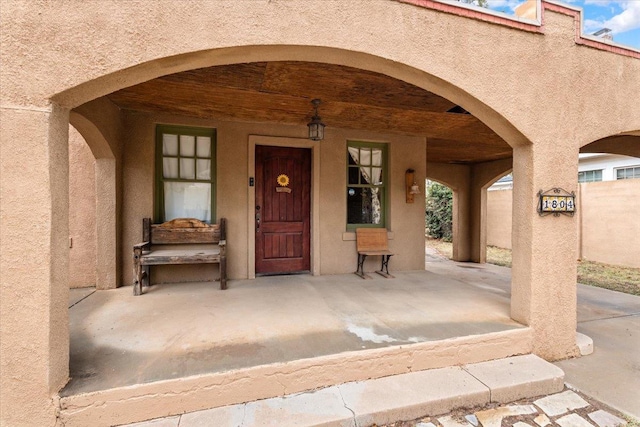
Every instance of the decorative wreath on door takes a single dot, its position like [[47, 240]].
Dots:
[[283, 180]]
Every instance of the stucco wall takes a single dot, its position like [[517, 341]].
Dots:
[[607, 220], [499, 210], [336, 246], [82, 212]]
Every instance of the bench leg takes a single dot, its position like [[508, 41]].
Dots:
[[146, 276], [360, 270], [137, 278], [384, 269], [223, 273]]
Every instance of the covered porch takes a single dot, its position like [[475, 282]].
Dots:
[[286, 333]]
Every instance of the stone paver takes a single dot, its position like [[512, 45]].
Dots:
[[573, 420], [605, 419], [493, 417], [472, 419], [450, 421], [542, 420], [560, 403], [521, 424]]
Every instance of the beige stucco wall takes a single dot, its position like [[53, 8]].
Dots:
[[82, 212], [336, 246], [607, 221], [58, 55], [499, 218]]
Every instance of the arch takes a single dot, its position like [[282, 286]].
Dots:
[[105, 201], [627, 144], [92, 135]]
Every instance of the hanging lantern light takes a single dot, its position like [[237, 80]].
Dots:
[[316, 127]]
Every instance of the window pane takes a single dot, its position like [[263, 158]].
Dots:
[[203, 169], [376, 175], [204, 146], [364, 205], [170, 167], [365, 156], [620, 174], [376, 157], [187, 168], [169, 145], [354, 176], [187, 145], [597, 175], [187, 200]]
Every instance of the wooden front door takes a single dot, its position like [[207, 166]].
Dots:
[[282, 211]]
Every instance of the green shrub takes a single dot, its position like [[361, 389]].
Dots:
[[438, 218]]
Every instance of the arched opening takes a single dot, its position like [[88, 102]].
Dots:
[[93, 204], [608, 173], [265, 102], [82, 213]]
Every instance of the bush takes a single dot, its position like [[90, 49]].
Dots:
[[438, 218]]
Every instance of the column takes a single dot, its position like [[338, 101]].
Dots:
[[543, 287], [34, 232]]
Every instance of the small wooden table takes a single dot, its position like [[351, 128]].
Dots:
[[373, 241]]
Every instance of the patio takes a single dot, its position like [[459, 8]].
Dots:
[[181, 330]]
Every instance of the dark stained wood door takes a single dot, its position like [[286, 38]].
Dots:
[[283, 209]]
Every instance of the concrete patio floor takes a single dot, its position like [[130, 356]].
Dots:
[[180, 330]]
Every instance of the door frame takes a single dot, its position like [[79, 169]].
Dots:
[[277, 141]]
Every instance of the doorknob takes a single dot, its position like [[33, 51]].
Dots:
[[257, 219]]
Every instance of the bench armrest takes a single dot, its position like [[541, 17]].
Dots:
[[222, 243], [142, 245]]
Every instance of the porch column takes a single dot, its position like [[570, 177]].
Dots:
[[106, 241], [478, 223], [461, 221], [543, 287], [34, 233]]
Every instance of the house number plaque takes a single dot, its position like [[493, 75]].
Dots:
[[556, 201]]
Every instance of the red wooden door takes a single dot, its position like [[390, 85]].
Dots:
[[283, 206]]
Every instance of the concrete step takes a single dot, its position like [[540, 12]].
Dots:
[[389, 399]]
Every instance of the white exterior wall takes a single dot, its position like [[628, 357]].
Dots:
[[608, 163]]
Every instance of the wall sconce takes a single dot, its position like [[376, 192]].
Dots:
[[316, 127], [411, 186]]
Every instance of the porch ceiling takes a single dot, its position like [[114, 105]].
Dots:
[[280, 92]]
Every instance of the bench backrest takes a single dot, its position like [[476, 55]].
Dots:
[[371, 239], [183, 231]]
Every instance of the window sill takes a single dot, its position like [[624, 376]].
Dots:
[[350, 236]]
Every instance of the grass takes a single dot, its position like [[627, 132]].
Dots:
[[612, 277]]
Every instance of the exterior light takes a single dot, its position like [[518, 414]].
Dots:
[[316, 127], [411, 186]]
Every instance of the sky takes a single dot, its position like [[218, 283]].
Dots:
[[621, 16]]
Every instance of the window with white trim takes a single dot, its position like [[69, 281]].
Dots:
[[366, 184], [590, 176], [628, 173], [185, 173]]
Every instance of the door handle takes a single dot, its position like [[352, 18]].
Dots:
[[257, 219]]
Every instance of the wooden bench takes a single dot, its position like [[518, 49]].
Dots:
[[184, 235], [373, 241]]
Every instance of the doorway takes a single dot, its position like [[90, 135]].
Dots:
[[282, 210]]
